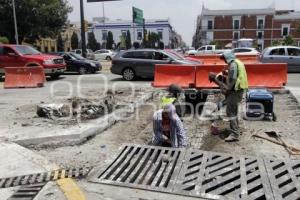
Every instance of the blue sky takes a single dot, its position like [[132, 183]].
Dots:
[[182, 13]]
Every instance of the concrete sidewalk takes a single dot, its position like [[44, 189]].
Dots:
[[17, 161], [295, 91]]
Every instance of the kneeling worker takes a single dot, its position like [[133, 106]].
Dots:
[[233, 89], [168, 128]]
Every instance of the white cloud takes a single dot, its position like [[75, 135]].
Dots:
[[182, 13]]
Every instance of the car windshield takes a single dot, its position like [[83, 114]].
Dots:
[[173, 56], [77, 56], [26, 50], [176, 55]]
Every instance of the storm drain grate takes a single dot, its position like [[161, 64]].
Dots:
[[145, 167], [202, 174], [43, 177], [27, 192], [284, 176]]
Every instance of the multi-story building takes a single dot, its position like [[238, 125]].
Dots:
[[264, 26], [120, 28]]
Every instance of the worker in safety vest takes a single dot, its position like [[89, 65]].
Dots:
[[233, 88], [176, 97]]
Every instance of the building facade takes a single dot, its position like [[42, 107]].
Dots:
[[120, 28], [264, 26]]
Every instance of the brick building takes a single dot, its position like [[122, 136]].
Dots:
[[264, 26]]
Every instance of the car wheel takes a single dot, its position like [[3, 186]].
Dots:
[[128, 74], [108, 58], [82, 70]]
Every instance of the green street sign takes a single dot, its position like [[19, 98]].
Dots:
[[138, 16]]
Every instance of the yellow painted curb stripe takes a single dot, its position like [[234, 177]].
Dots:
[[70, 189]]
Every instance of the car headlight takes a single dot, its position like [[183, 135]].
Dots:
[[48, 62], [93, 64]]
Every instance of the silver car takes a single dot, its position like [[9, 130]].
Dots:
[[283, 54], [141, 63]]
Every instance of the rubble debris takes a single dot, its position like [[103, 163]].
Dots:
[[53, 110]]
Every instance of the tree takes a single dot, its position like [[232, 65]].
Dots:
[[35, 18], [289, 40], [3, 40], [74, 41], [109, 40], [128, 40], [217, 43], [92, 42], [276, 43], [153, 40], [136, 45], [60, 43]]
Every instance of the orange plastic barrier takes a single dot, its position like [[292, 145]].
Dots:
[[24, 77], [268, 75], [216, 59], [182, 75]]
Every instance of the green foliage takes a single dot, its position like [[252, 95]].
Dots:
[[4, 40], [217, 43], [35, 18], [289, 40], [60, 44], [276, 42], [128, 40], [122, 44], [74, 41], [109, 40], [153, 40], [92, 42]]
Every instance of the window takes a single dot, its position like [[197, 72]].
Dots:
[[1, 51], [128, 55], [293, 51], [139, 55], [285, 29], [260, 35], [160, 33], [260, 23], [104, 35], [209, 24], [140, 35], [278, 52], [236, 35], [209, 48], [7, 50], [236, 24], [160, 56]]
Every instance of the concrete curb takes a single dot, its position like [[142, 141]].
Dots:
[[74, 136], [294, 97]]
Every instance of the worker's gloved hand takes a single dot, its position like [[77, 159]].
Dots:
[[212, 76]]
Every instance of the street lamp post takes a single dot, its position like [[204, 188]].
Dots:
[[15, 22], [83, 41]]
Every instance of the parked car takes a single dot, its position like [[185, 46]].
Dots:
[[19, 55], [245, 51], [283, 54], [206, 49], [77, 63], [141, 63], [104, 54], [90, 54]]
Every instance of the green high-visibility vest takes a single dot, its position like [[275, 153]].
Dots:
[[166, 100], [242, 80]]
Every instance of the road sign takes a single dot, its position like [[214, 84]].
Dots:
[[138, 16]]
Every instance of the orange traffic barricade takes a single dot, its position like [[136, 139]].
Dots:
[[182, 75], [216, 59], [24, 77]]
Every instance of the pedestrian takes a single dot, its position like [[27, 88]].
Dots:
[[233, 88], [168, 128], [176, 97]]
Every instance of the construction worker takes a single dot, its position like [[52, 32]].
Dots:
[[176, 97], [233, 89], [168, 128]]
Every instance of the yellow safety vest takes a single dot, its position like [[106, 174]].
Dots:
[[242, 80], [166, 100]]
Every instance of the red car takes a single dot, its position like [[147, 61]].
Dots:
[[19, 55]]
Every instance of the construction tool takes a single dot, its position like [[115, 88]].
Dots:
[[278, 140]]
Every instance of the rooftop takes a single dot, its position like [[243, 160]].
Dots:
[[292, 15], [208, 12]]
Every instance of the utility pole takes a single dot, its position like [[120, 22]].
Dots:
[[83, 41], [15, 22], [104, 28]]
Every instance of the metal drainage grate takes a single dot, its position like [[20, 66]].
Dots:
[[145, 167], [216, 175], [284, 176], [43, 177], [27, 192], [202, 174]]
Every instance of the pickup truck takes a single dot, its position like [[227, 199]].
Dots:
[[19, 55], [206, 49]]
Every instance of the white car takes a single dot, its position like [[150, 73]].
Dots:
[[245, 51], [104, 54]]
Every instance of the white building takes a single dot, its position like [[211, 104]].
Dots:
[[120, 27]]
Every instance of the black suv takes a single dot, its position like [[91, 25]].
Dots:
[[141, 63]]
